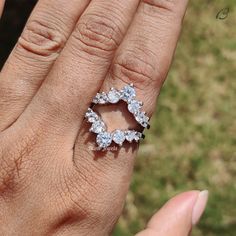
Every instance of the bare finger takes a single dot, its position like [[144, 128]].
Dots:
[[45, 34]]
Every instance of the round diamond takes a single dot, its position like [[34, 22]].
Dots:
[[138, 136], [96, 98], [130, 135], [91, 116], [104, 139], [128, 92], [142, 119], [118, 137], [89, 113], [134, 106], [98, 127], [101, 98], [113, 96], [92, 119]]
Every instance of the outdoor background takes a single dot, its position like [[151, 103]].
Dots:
[[192, 143]]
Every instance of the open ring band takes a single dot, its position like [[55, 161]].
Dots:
[[104, 138]]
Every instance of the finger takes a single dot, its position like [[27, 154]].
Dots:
[[143, 59], [45, 34], [178, 216], [80, 69], [146, 53], [1, 7]]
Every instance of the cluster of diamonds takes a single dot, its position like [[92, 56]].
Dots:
[[105, 138]]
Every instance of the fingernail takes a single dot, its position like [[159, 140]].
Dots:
[[199, 206]]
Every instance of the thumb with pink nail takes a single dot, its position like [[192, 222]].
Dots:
[[178, 216]]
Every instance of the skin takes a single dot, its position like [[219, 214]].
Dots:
[[51, 183]]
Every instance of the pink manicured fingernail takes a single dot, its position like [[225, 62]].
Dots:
[[199, 206]]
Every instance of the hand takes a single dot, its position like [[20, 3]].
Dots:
[[51, 182]]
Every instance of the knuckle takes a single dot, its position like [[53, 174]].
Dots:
[[165, 4], [136, 67], [97, 34], [169, 10], [41, 39]]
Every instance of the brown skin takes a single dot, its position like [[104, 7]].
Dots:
[[51, 183]]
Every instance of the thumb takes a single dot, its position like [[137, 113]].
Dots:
[[177, 216], [1, 6]]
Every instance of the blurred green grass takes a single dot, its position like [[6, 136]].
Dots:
[[192, 143]]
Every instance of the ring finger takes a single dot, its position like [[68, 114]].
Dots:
[[143, 58], [145, 55]]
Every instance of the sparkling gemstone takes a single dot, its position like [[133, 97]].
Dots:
[[91, 116], [89, 113], [92, 119], [142, 119], [98, 126], [96, 99], [138, 136], [104, 139], [132, 135], [113, 96], [128, 92], [134, 106], [118, 137], [100, 98]]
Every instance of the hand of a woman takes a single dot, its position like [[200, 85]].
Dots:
[[51, 181]]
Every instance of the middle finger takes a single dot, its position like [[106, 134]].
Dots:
[[81, 67]]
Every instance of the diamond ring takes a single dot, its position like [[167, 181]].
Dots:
[[104, 138]]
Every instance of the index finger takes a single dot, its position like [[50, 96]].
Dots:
[[1, 7]]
